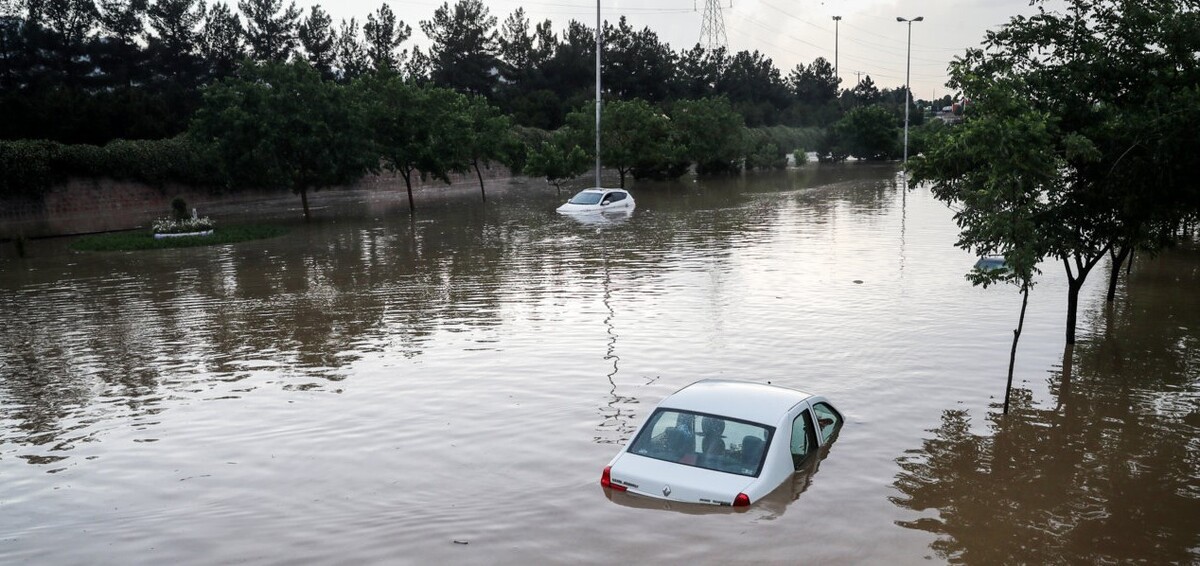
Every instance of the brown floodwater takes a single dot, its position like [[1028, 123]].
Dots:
[[380, 387]]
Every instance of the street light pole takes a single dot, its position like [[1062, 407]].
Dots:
[[836, 21], [908, 80], [598, 28]]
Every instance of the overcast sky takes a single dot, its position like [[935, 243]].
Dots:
[[870, 40]]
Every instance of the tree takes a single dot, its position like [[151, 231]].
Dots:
[[464, 47], [754, 87], [221, 40], [557, 160], [68, 25], [413, 130], [865, 132], [815, 89], [319, 40], [633, 134], [865, 93], [709, 132], [176, 39], [278, 125], [120, 54], [384, 35], [351, 53], [270, 28], [486, 136], [636, 64], [1115, 80], [999, 172], [698, 71]]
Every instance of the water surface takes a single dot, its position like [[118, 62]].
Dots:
[[383, 387]]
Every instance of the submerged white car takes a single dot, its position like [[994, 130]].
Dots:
[[598, 200], [720, 442]]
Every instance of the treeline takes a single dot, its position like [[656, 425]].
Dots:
[[91, 71], [283, 126]]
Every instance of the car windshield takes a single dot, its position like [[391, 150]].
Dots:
[[704, 441], [586, 197]]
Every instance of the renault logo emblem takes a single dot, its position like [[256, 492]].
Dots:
[[666, 491]]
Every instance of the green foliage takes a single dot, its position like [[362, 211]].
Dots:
[[865, 132], [145, 240], [278, 125], [922, 138], [799, 157], [33, 166], [999, 172], [1081, 88], [709, 133], [464, 47], [633, 134], [29, 167], [416, 130], [767, 147], [557, 160], [487, 136]]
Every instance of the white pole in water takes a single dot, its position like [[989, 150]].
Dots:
[[907, 80], [598, 94]]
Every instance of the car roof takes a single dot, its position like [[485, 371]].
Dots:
[[602, 190], [755, 402]]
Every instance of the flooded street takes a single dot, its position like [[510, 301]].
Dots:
[[376, 387]]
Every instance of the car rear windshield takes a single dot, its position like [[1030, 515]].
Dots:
[[704, 441]]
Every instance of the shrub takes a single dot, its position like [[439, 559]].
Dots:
[[179, 208]]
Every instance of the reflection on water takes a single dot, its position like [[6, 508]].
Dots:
[[377, 384], [1107, 473]]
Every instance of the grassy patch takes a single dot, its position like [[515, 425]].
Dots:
[[144, 240]]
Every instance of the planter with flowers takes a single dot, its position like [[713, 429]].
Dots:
[[181, 224]]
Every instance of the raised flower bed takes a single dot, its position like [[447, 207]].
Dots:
[[172, 228]]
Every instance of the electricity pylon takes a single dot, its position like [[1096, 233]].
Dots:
[[712, 30]]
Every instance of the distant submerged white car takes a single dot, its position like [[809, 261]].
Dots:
[[598, 200], [720, 442]]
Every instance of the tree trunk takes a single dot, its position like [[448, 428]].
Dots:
[[1074, 284], [480, 176], [304, 201], [1073, 287], [408, 184], [1012, 355], [1118, 259]]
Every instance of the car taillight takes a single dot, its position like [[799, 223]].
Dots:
[[606, 480], [742, 500]]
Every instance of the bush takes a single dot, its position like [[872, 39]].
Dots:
[[799, 157], [29, 167], [33, 166]]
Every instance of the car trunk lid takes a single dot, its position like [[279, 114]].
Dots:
[[676, 482]]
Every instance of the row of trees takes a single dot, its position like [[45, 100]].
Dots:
[[88, 71], [280, 125], [1079, 142]]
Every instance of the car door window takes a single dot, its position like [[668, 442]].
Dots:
[[828, 421], [804, 439]]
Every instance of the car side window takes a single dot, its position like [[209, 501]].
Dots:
[[614, 197], [803, 438], [828, 420]]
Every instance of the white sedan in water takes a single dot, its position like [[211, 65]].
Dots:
[[598, 200], [720, 442]]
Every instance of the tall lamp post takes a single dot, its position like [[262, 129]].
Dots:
[[907, 80], [836, 21]]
